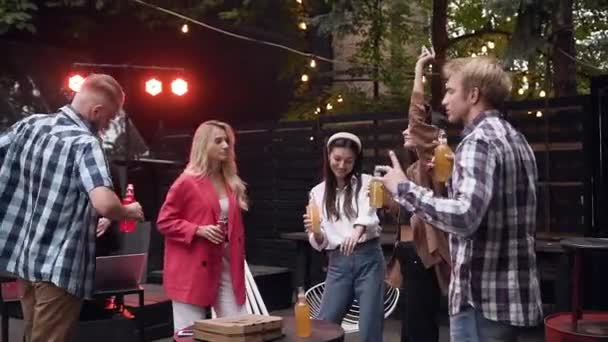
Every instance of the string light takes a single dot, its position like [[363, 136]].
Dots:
[[473, 55], [340, 99], [491, 45], [318, 110], [542, 93], [423, 79], [299, 1], [329, 106], [313, 63], [529, 113], [185, 28], [521, 91], [484, 49], [508, 19], [302, 26], [539, 114], [304, 78], [525, 79]]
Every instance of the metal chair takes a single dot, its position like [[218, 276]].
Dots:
[[350, 323]]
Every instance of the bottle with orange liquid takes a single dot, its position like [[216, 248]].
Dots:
[[376, 192], [128, 225], [312, 210], [443, 164], [302, 313]]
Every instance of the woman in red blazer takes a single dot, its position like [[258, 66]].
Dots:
[[203, 228]]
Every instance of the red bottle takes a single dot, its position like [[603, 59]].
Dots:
[[127, 225]]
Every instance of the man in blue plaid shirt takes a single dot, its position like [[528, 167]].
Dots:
[[490, 212], [54, 184]]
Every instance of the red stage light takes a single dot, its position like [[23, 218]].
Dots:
[[179, 87], [75, 82], [154, 86]]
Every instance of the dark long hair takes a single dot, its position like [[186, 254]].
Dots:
[[331, 183]]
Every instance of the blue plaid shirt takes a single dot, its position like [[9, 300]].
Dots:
[[491, 217], [48, 166]]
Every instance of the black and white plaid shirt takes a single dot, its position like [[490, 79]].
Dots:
[[490, 214], [48, 166]]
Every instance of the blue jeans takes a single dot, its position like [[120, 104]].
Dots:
[[361, 276], [469, 325]]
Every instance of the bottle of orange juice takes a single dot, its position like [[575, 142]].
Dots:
[[302, 313], [443, 165], [312, 210], [376, 193]]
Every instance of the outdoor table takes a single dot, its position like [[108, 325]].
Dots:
[[576, 325], [322, 331]]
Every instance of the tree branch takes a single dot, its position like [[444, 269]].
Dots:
[[481, 32]]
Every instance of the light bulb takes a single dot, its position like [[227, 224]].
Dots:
[[304, 78], [539, 114], [185, 28], [542, 93], [329, 106], [520, 91], [302, 26], [313, 63], [491, 45]]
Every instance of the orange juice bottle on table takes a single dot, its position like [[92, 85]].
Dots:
[[302, 313], [443, 165], [312, 210], [376, 193]]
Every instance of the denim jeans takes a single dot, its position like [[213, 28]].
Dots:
[[361, 276], [469, 325]]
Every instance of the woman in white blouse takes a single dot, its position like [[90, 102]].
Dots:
[[350, 233]]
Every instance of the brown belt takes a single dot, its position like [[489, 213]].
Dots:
[[406, 233]]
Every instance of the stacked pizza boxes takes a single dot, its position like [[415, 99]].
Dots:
[[247, 328]]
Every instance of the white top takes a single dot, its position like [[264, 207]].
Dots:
[[335, 232], [224, 207], [224, 204]]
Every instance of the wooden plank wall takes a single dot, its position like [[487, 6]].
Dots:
[[282, 161]]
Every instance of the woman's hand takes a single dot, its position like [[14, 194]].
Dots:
[[308, 229], [348, 246], [213, 233], [431, 163]]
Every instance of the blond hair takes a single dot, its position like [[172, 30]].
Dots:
[[199, 164], [484, 73], [106, 86]]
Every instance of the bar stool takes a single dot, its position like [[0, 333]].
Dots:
[[578, 326], [4, 278]]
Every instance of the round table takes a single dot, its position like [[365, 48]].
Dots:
[[322, 331]]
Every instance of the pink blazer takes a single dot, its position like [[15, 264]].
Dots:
[[193, 264]]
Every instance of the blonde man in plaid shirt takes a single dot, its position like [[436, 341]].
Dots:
[[490, 212]]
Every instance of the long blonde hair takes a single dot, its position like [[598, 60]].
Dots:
[[199, 164]]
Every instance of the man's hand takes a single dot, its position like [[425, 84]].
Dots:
[[134, 211], [394, 175], [348, 246], [102, 226]]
